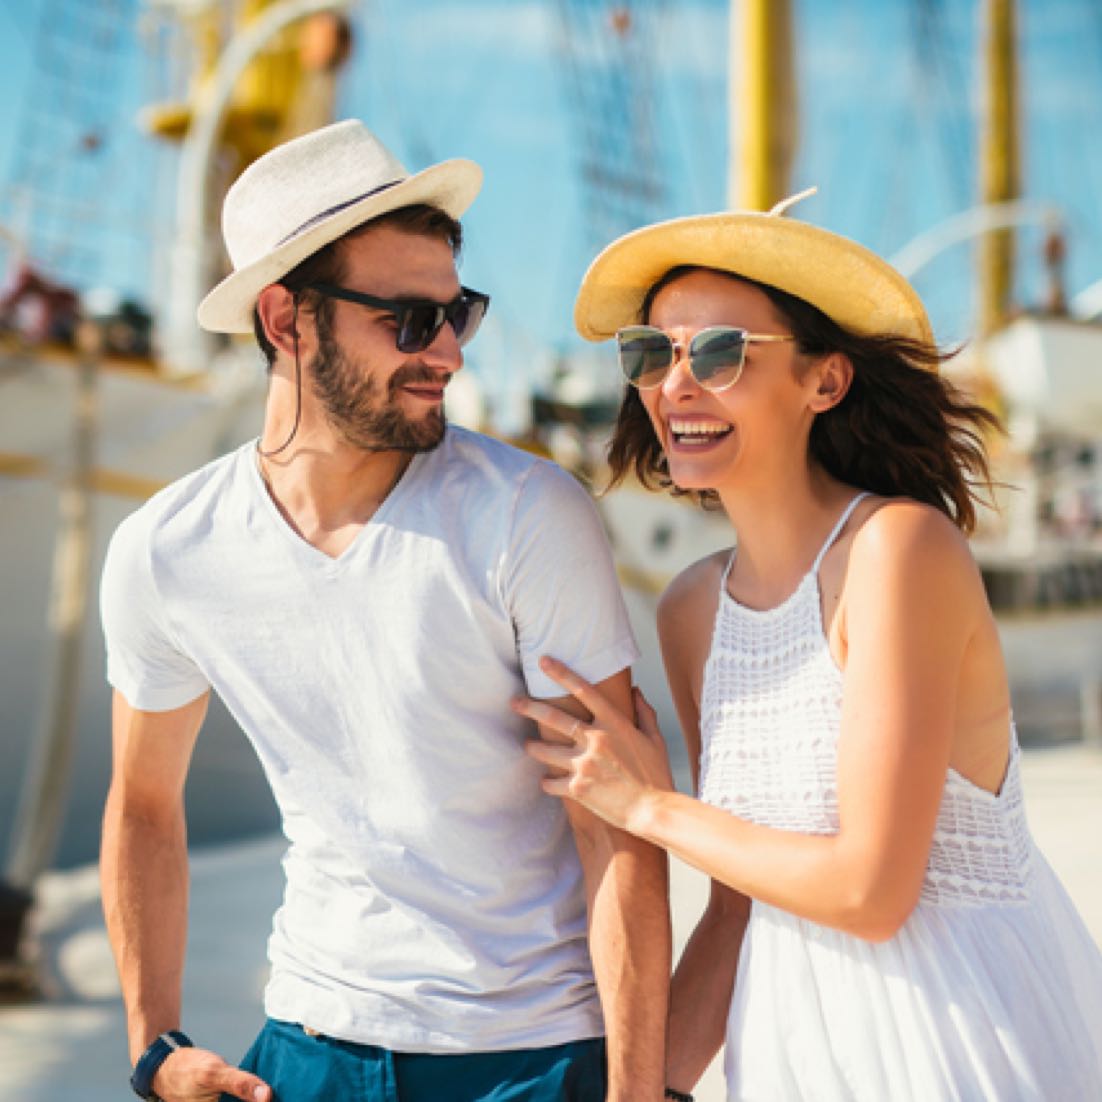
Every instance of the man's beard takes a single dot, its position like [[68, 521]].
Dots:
[[355, 407]]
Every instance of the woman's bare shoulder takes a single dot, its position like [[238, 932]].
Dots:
[[914, 544], [695, 590], [895, 526]]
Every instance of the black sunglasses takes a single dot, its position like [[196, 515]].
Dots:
[[419, 320], [716, 355]]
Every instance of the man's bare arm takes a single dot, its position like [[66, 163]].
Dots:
[[627, 889], [144, 878]]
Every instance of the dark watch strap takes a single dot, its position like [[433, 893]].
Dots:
[[153, 1057], [677, 1096]]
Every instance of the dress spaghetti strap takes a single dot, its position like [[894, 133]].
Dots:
[[836, 531]]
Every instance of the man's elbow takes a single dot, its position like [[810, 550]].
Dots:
[[131, 808]]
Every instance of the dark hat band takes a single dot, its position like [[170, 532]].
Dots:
[[335, 210]]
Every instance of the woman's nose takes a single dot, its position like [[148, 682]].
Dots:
[[680, 381]]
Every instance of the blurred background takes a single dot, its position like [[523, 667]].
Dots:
[[958, 139]]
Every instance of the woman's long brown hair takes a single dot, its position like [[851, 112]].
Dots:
[[902, 430]]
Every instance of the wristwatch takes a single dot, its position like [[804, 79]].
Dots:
[[153, 1057]]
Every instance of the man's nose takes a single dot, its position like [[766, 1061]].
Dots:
[[444, 352]]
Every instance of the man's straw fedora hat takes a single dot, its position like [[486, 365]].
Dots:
[[299, 196], [850, 284]]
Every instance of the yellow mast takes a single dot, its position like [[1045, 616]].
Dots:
[[268, 74], [999, 163], [762, 103], [285, 90]]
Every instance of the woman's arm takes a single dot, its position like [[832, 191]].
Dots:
[[702, 986], [912, 603], [700, 992]]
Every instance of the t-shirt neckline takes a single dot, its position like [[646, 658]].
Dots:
[[302, 547]]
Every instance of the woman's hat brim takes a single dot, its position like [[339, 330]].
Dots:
[[847, 282], [228, 308]]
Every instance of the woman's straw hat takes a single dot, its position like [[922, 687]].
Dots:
[[850, 284], [307, 192]]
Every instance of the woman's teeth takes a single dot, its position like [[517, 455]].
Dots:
[[697, 432]]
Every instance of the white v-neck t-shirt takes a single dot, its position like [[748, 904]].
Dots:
[[434, 899]]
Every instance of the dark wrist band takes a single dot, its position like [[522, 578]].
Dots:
[[677, 1096], [150, 1061]]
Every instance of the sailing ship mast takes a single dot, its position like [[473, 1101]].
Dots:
[[999, 162], [611, 84], [262, 78], [763, 113]]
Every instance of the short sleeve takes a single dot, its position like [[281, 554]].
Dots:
[[561, 584], [143, 661]]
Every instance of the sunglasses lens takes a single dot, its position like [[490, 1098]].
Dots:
[[645, 355], [716, 356], [467, 314], [418, 326]]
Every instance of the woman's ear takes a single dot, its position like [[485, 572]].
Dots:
[[280, 318], [833, 375]]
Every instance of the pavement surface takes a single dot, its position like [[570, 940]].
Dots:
[[70, 1045]]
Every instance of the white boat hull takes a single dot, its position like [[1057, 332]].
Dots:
[[149, 431]]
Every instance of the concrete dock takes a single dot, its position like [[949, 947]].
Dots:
[[70, 1047]]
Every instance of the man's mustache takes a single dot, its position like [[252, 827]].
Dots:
[[414, 373]]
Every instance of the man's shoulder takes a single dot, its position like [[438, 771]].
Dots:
[[505, 464], [204, 484], [470, 446], [508, 488]]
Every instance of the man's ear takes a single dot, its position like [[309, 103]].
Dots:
[[278, 316], [833, 375]]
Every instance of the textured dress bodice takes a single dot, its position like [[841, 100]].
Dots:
[[966, 1001], [770, 719]]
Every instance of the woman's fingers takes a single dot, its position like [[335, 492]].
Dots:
[[577, 686], [547, 716], [558, 757], [556, 786], [646, 718]]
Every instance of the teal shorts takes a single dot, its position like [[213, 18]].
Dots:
[[301, 1068]]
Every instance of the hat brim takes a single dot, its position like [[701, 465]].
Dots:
[[847, 282], [228, 308]]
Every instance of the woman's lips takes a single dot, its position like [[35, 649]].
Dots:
[[697, 434]]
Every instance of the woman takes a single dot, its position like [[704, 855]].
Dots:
[[840, 682]]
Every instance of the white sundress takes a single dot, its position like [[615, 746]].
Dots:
[[991, 990]]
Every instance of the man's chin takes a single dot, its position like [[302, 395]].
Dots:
[[429, 433], [411, 438]]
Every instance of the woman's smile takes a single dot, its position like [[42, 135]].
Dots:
[[695, 433]]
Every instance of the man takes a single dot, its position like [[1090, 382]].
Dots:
[[367, 588]]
